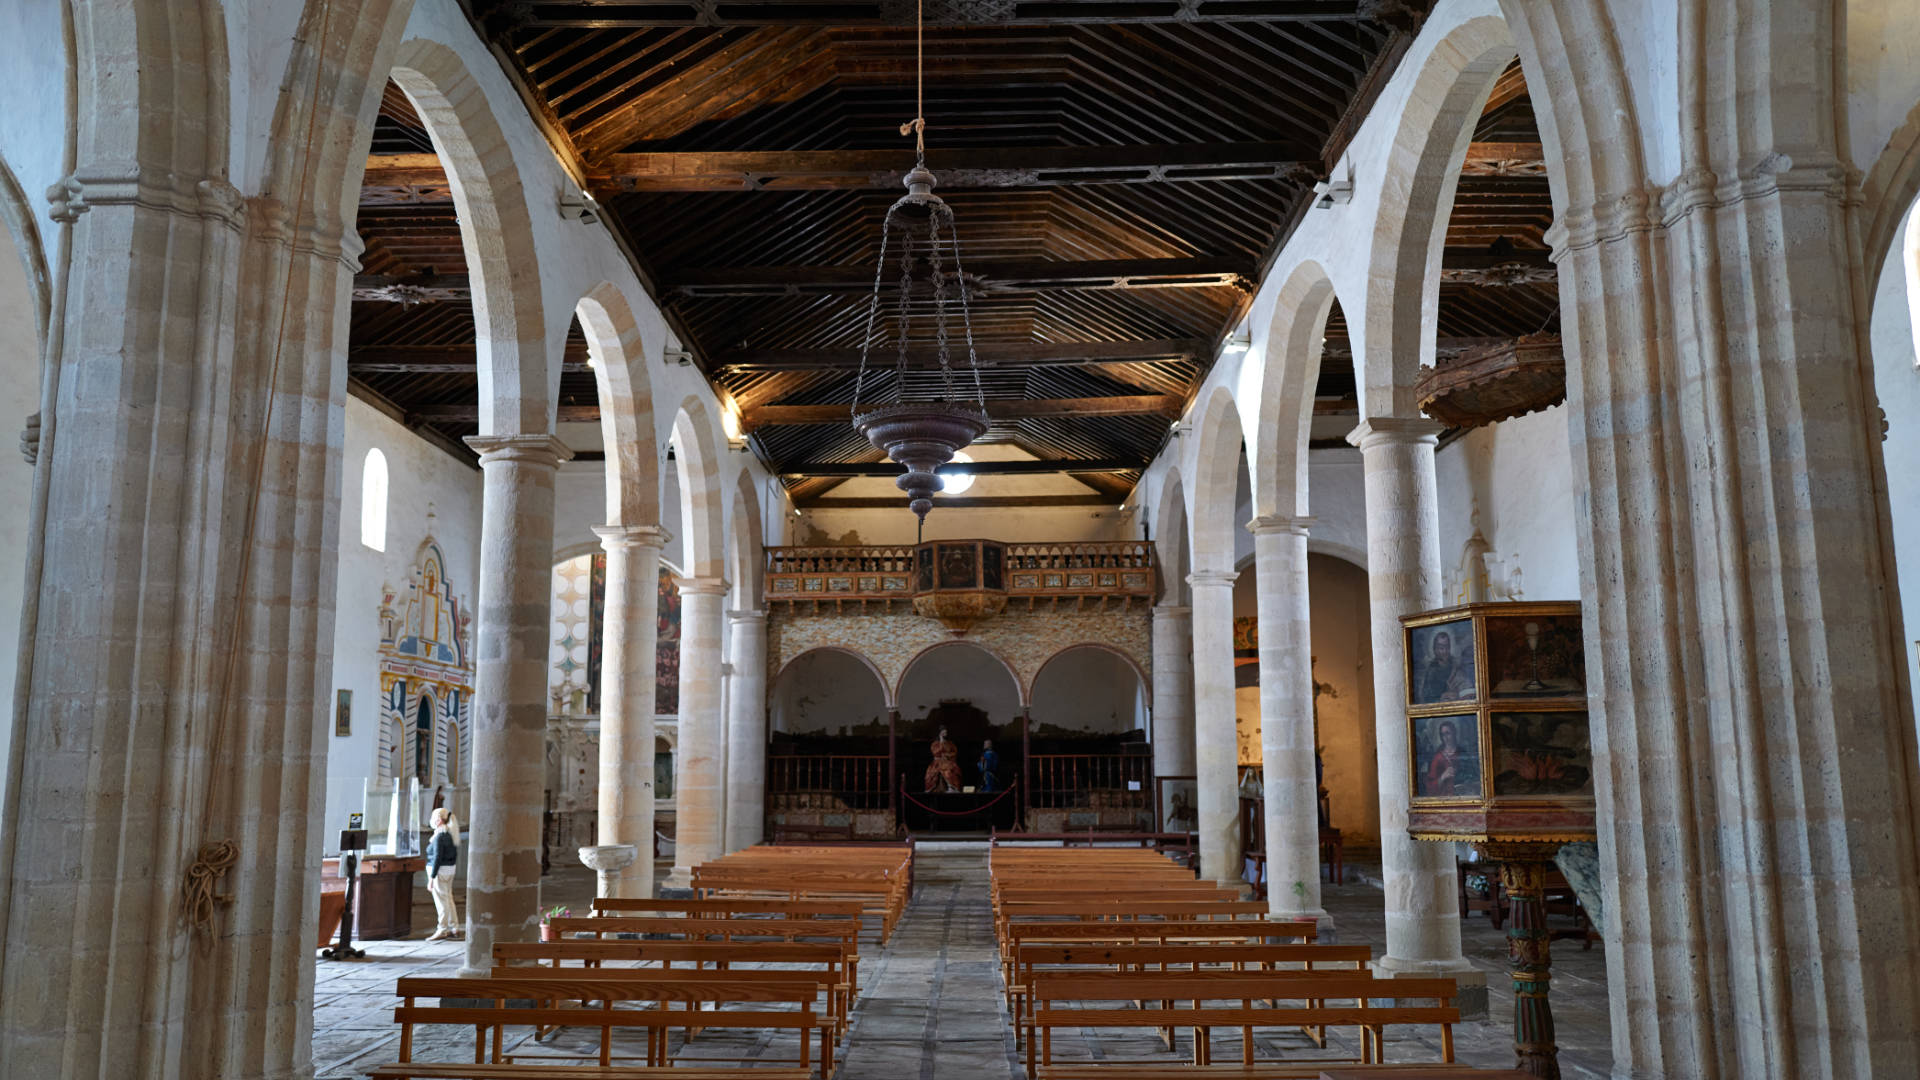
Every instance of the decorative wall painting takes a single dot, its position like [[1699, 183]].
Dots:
[[1440, 663], [1446, 762], [666, 671]]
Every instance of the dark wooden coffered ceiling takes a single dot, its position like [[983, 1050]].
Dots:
[[1121, 175]]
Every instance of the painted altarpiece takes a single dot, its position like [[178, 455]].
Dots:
[[426, 677]]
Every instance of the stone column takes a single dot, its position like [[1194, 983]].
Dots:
[[1292, 820], [627, 696], [1172, 690], [1403, 576], [510, 691], [1216, 748], [697, 794], [747, 730]]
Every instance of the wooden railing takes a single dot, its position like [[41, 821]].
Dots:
[[1078, 571], [859, 780], [1068, 780]]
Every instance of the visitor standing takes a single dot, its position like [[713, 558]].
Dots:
[[443, 852]]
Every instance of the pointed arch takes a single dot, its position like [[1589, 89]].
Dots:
[[624, 383], [512, 358]]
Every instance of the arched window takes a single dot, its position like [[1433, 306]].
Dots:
[[452, 752], [373, 501]]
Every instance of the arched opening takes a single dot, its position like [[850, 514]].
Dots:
[[22, 326], [373, 500], [423, 731], [973, 695], [450, 756], [831, 750], [1222, 506], [1895, 333], [1091, 765]]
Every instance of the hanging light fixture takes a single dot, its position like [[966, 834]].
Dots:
[[921, 433]]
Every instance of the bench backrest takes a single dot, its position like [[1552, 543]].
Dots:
[[1251, 931], [726, 929], [813, 909]]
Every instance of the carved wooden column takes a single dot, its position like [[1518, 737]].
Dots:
[[1523, 873]]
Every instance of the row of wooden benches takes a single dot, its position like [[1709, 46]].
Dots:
[[648, 968], [1125, 939]]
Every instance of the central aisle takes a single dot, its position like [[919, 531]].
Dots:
[[931, 1004]]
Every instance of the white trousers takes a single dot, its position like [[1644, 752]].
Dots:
[[441, 886]]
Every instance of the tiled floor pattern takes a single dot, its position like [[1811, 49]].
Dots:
[[931, 1004]]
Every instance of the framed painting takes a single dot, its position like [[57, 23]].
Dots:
[[1446, 757], [1440, 663], [1535, 656], [343, 712], [1541, 754]]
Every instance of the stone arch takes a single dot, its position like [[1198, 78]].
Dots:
[[1891, 186], [1173, 549], [1291, 369], [696, 441], [1422, 170], [625, 389], [1216, 473], [515, 371], [746, 563], [879, 678], [1020, 687], [18, 221], [1146, 681]]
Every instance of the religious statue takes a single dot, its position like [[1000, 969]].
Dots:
[[989, 766], [944, 774]]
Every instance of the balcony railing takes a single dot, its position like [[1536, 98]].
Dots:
[[1076, 571]]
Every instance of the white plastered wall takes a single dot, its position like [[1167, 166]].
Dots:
[[419, 474], [1897, 381], [1511, 480]]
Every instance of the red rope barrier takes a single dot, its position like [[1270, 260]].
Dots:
[[957, 813]]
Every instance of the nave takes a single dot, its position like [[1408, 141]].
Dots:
[[932, 1006]]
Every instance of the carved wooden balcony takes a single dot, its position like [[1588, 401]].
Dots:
[[1087, 575]]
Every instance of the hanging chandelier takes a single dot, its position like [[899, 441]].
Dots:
[[921, 432]]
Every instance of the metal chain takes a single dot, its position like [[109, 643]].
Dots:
[[904, 330], [966, 317], [873, 313], [939, 295]]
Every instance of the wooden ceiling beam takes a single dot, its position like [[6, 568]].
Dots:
[[1089, 466], [470, 414], [502, 17], [412, 288], [1009, 167], [1034, 354], [960, 502], [403, 170], [1022, 409], [983, 277]]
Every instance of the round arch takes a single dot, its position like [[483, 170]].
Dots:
[[746, 564], [1216, 479], [515, 371], [1291, 369], [1422, 167], [1146, 681], [782, 679], [625, 389], [1060, 664], [1171, 540], [907, 670], [697, 458]]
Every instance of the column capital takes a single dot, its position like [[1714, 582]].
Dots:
[[1297, 524], [1172, 611], [626, 537], [747, 616], [538, 449], [703, 586], [1395, 430], [1212, 578]]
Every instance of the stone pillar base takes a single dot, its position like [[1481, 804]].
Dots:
[[1472, 1001], [1323, 929]]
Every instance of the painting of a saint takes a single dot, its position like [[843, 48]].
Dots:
[[1442, 667], [992, 567], [943, 774], [1447, 757], [957, 565]]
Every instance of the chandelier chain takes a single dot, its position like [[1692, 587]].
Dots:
[[939, 301], [873, 312]]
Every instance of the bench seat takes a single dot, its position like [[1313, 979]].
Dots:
[[428, 1070]]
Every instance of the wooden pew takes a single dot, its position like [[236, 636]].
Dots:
[[1129, 909], [829, 1023], [1221, 933], [1035, 959], [838, 966], [609, 1018], [884, 893], [1239, 992]]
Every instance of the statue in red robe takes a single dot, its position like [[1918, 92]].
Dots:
[[944, 774]]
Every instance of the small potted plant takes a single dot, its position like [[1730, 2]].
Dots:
[[547, 932]]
